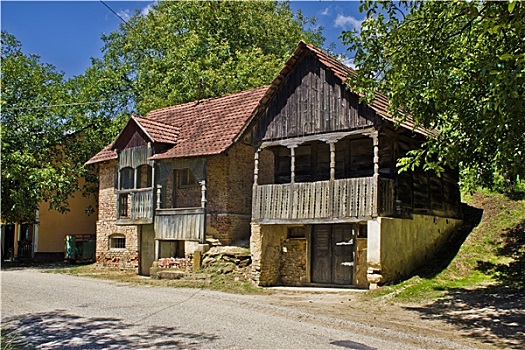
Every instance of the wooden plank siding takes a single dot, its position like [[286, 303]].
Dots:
[[312, 100], [135, 206], [338, 199], [180, 224]]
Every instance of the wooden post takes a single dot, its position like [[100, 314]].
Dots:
[[292, 163], [203, 194], [256, 167], [292, 180], [158, 196], [331, 143], [375, 142], [135, 177], [332, 159], [157, 249]]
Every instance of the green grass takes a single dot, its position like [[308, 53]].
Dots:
[[488, 252]]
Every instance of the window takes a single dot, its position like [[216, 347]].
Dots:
[[144, 176], [117, 242], [186, 178], [127, 178], [296, 232]]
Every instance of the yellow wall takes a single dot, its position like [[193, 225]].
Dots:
[[406, 244], [54, 226]]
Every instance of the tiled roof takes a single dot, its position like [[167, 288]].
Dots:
[[198, 128], [104, 155], [209, 126], [158, 131]]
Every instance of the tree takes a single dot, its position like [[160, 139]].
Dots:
[[458, 67], [183, 50], [47, 133]]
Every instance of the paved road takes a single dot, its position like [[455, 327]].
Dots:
[[53, 311]]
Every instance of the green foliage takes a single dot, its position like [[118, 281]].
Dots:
[[183, 50], [455, 66], [48, 132]]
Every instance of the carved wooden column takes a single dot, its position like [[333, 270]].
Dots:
[[375, 143], [256, 167], [331, 143], [332, 158], [292, 163]]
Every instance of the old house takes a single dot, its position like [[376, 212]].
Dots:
[[173, 179], [45, 239], [300, 167], [329, 206]]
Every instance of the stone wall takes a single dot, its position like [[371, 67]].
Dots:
[[293, 262], [128, 257], [396, 247], [265, 246]]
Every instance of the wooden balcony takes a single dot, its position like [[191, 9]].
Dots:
[[135, 207], [180, 224], [340, 200]]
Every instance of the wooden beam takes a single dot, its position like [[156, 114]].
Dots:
[[329, 137]]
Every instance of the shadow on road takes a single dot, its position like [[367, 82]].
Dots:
[[495, 314], [61, 330]]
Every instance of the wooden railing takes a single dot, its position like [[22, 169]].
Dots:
[[180, 224], [135, 204], [338, 199]]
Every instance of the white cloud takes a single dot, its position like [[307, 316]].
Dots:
[[146, 10], [347, 22], [124, 14], [346, 61], [325, 11]]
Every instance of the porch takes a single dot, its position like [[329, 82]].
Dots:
[[323, 201]]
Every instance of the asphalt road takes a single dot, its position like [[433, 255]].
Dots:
[[54, 311]]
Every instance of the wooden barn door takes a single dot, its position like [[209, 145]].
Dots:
[[332, 254], [147, 248]]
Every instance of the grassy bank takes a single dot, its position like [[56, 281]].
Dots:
[[492, 253]]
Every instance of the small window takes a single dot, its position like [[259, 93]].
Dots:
[[296, 232], [144, 176], [187, 179], [127, 178], [117, 242]]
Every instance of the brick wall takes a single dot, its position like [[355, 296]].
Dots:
[[229, 194], [126, 258]]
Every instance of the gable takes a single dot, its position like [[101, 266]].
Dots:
[[131, 136], [311, 100]]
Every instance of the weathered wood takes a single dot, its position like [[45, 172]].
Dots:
[[354, 197], [311, 101], [135, 156], [180, 224]]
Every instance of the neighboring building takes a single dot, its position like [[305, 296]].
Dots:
[[174, 179], [45, 240], [329, 206], [311, 168]]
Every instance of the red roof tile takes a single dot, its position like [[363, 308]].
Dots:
[[104, 155], [209, 126]]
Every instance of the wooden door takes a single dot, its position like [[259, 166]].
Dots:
[[147, 248], [332, 254], [321, 254]]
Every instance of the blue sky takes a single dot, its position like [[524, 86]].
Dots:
[[67, 34]]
